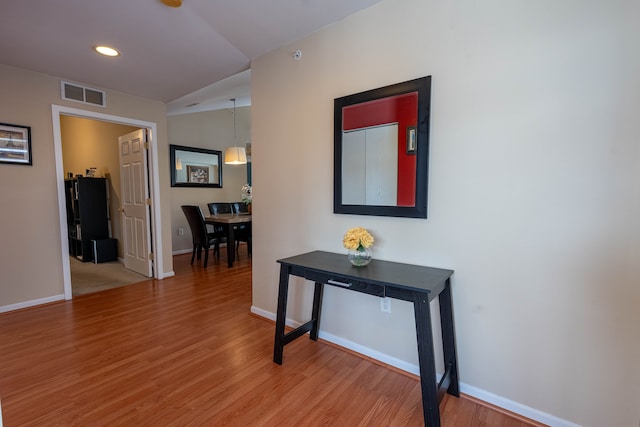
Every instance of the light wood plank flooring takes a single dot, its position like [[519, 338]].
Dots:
[[185, 351]]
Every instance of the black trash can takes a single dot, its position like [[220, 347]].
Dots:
[[105, 250]]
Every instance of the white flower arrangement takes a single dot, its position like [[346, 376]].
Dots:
[[247, 193]]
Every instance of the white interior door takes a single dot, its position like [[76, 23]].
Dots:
[[135, 202]]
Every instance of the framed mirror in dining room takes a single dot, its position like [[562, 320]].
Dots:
[[381, 150], [195, 167]]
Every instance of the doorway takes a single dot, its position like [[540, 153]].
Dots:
[[154, 223], [90, 148]]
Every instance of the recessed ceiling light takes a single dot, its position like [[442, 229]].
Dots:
[[106, 51]]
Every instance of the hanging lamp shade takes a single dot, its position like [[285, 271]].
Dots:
[[235, 156]]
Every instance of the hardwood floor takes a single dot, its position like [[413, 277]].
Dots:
[[186, 351]]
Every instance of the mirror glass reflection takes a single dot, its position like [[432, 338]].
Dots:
[[370, 166]]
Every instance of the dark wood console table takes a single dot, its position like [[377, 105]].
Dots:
[[413, 283]]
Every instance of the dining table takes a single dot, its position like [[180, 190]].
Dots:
[[230, 222]]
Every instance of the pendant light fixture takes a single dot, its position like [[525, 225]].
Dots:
[[235, 155]]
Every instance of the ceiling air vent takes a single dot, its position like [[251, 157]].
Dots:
[[86, 95]]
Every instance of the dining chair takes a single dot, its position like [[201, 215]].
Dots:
[[216, 208], [202, 238], [243, 233], [239, 207]]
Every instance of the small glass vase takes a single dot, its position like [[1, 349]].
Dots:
[[359, 258]]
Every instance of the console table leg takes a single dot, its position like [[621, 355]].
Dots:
[[426, 360], [449, 338], [317, 308], [281, 314]]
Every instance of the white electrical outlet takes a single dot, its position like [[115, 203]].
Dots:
[[385, 305], [180, 231]]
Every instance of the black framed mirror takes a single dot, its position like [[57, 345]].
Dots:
[[381, 150], [195, 167]]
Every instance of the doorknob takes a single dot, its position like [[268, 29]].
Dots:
[[121, 210]]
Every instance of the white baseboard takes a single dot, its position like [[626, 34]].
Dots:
[[266, 314], [188, 251], [166, 274], [515, 407], [32, 303], [181, 251], [485, 396], [160, 275]]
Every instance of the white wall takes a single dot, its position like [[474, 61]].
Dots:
[[533, 191], [212, 130]]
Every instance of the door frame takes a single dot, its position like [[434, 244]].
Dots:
[[154, 187]]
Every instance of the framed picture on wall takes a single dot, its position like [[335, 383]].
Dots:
[[411, 140], [198, 174], [15, 144]]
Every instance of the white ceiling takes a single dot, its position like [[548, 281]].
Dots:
[[186, 54], [215, 96]]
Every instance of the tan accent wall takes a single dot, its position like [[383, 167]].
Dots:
[[30, 254]]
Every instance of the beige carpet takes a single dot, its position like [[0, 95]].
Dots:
[[87, 277]]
